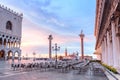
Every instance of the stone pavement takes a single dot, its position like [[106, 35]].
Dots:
[[112, 76], [37, 75], [8, 74]]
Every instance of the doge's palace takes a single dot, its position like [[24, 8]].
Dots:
[[10, 33]]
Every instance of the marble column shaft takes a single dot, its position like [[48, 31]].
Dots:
[[108, 48], [105, 44], [115, 48], [103, 55]]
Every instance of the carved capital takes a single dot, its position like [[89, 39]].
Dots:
[[115, 15], [113, 18]]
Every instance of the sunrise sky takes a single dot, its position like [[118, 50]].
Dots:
[[64, 19]]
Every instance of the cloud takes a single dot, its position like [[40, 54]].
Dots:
[[35, 37], [42, 3], [56, 22], [64, 22], [31, 34]]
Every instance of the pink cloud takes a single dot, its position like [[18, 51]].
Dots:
[[35, 38]]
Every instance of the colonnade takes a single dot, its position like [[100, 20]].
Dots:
[[111, 44], [9, 44]]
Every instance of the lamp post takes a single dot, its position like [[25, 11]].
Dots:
[[26, 56], [34, 56], [39, 56], [56, 48], [77, 55]]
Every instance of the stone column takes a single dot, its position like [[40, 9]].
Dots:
[[10, 44], [105, 50], [82, 44], [19, 57], [111, 53], [5, 55], [102, 46], [16, 45], [50, 44], [111, 48], [13, 56], [117, 27], [19, 44], [2, 42], [65, 52], [119, 50], [115, 54], [13, 43], [108, 48], [6, 43]]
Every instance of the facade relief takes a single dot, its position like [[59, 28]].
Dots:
[[10, 34], [108, 32]]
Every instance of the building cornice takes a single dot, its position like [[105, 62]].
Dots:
[[108, 11], [11, 11]]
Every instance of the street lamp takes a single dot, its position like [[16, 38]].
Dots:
[[39, 56], [56, 48], [34, 56], [26, 56]]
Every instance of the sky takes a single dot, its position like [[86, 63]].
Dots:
[[63, 19]]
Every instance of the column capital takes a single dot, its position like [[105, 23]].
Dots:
[[112, 18]]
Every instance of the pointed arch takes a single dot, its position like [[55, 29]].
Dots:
[[16, 53], [9, 55], [2, 54], [9, 25], [5, 42]]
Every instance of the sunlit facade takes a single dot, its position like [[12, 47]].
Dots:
[[107, 31], [10, 33]]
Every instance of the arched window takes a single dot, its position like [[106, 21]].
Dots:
[[9, 25]]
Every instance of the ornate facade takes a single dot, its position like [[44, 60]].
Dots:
[[10, 33], [107, 31]]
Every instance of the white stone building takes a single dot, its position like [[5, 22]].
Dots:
[[107, 32], [10, 33]]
